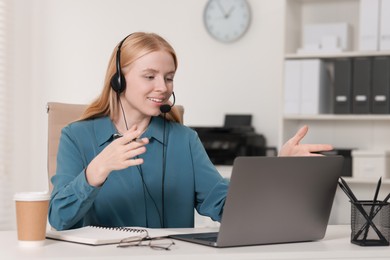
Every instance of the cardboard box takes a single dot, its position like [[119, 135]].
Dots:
[[339, 34], [370, 164]]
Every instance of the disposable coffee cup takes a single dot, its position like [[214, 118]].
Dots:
[[31, 217]]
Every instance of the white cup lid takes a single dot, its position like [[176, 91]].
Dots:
[[32, 196]]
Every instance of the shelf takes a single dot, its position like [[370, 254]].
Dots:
[[355, 117], [329, 55]]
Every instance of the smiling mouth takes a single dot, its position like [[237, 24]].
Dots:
[[156, 100]]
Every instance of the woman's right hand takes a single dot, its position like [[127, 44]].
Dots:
[[118, 155], [293, 147]]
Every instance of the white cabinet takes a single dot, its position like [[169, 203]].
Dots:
[[358, 131]]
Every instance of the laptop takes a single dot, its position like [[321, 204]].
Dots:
[[275, 200]]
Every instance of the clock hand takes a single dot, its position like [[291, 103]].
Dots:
[[229, 12], [221, 8]]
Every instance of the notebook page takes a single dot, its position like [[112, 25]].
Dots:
[[93, 235]]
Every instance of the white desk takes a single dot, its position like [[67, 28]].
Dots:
[[335, 245]]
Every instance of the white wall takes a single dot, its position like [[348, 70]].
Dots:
[[62, 47]]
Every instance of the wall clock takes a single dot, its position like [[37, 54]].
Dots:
[[227, 20]]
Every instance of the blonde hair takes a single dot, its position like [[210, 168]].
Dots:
[[134, 46]]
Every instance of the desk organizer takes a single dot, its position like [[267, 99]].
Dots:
[[371, 228]]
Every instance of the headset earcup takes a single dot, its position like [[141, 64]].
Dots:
[[118, 83]]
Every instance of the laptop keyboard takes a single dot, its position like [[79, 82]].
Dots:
[[212, 237]]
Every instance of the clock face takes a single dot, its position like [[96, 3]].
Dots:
[[227, 20]]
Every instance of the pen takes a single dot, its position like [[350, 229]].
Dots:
[[372, 207], [346, 192], [116, 136], [348, 189], [379, 208], [387, 198]]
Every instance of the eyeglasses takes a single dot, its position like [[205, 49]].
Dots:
[[157, 243]]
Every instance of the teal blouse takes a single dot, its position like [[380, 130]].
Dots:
[[133, 196]]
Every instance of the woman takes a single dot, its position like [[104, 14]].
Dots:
[[128, 161]]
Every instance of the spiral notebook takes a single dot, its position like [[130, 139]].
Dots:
[[95, 235]]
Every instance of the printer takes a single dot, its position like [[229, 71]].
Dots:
[[235, 138]]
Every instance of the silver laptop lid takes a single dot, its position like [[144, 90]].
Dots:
[[279, 199]]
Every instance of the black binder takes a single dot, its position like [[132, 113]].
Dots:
[[380, 85], [342, 88], [361, 85]]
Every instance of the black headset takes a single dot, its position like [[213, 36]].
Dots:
[[118, 81]]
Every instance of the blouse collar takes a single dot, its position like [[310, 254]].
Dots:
[[105, 129]]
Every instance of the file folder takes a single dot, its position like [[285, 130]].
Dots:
[[342, 87], [380, 85], [315, 88], [292, 86], [369, 25], [384, 35], [361, 85]]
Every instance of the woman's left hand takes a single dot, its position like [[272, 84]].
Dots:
[[293, 147]]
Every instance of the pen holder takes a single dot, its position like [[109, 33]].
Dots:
[[370, 223]]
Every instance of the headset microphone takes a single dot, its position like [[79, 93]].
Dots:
[[166, 108]]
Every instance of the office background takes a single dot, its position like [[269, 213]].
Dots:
[[62, 47], [58, 51]]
